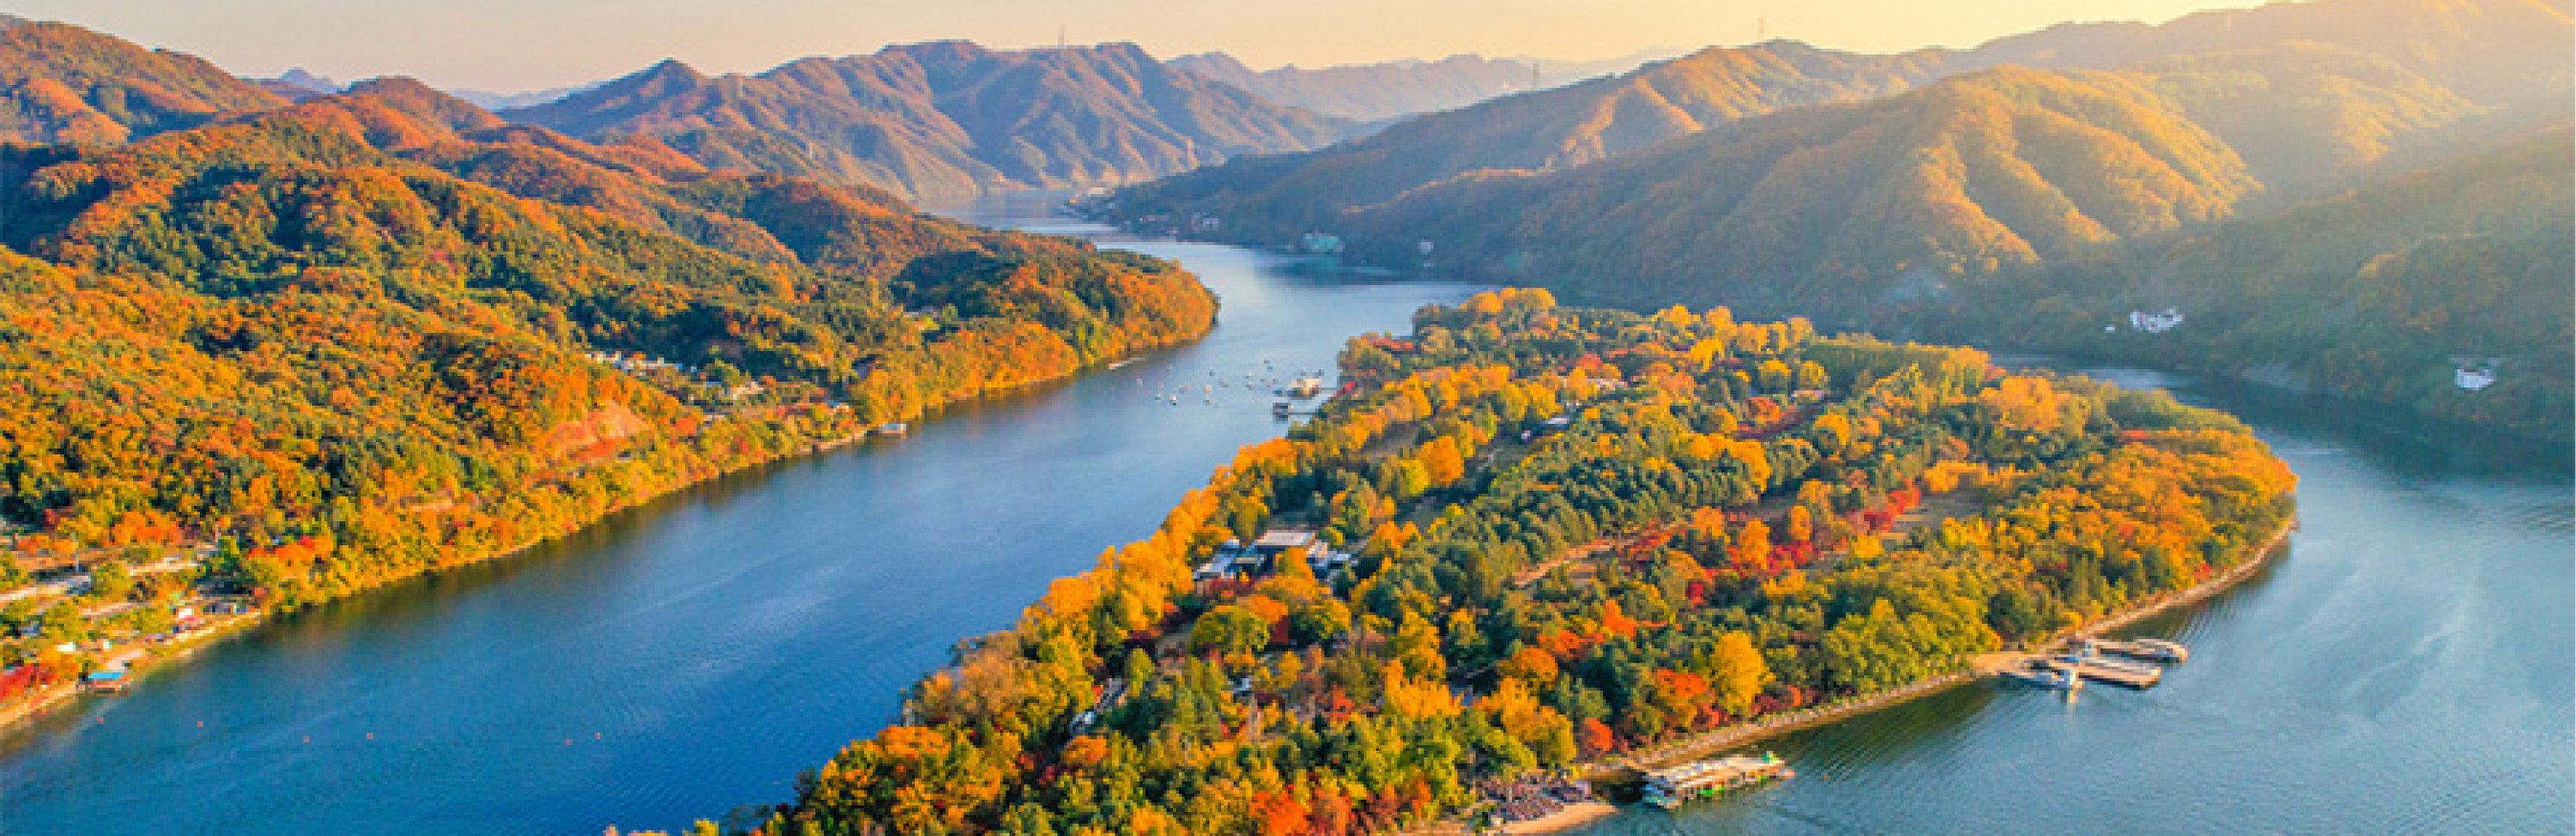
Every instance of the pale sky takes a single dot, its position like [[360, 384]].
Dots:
[[515, 45]]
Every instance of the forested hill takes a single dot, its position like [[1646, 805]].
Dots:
[[946, 119], [62, 83], [1862, 203], [2378, 68], [2382, 293], [1371, 92], [2035, 207], [1550, 535], [1547, 129], [369, 334]]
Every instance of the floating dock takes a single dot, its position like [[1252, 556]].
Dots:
[[2104, 670], [1669, 787], [2147, 650]]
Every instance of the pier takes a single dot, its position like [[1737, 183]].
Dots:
[[2103, 670], [2145, 650]]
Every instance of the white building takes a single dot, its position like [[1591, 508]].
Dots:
[[2154, 323]]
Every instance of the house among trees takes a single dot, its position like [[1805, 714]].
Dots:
[[1233, 559]]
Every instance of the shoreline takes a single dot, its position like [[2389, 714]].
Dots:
[[1768, 727], [17, 716]]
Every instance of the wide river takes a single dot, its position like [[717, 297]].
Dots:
[[2407, 667]]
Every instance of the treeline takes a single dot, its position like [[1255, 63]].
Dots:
[[352, 339], [1576, 531]]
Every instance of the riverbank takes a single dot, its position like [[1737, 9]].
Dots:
[[797, 443], [1974, 668], [60, 695]]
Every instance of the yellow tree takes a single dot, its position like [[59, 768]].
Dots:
[[1737, 673]]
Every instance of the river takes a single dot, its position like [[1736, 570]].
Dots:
[[2406, 666]]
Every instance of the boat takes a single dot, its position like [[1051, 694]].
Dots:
[[1669, 787], [896, 428], [2046, 677]]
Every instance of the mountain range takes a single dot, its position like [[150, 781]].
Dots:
[[1371, 92], [2030, 191], [945, 119], [2377, 66]]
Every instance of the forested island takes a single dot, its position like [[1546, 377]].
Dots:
[[1531, 535], [289, 355]]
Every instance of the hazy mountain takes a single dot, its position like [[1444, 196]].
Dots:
[[1370, 92], [488, 100], [1556, 71], [298, 84], [62, 83], [946, 119]]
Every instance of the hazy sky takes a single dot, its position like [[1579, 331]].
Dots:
[[512, 45]]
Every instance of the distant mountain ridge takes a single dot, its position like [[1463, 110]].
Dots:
[[945, 119], [1371, 92]]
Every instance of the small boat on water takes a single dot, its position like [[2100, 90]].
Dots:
[[896, 428], [2043, 676], [1669, 787]]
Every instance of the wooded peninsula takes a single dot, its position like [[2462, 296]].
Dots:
[[1535, 534]]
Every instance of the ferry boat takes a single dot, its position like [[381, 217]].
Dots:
[[1669, 787]]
